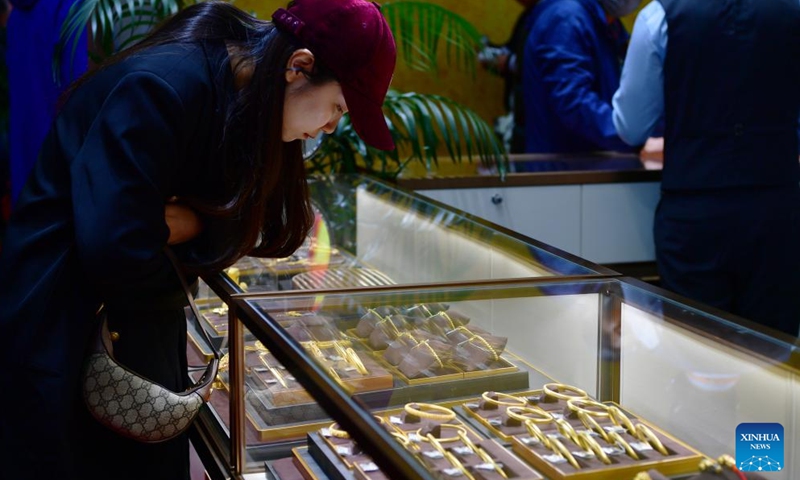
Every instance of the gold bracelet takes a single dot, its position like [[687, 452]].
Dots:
[[456, 463], [495, 356], [554, 390], [433, 352], [644, 433], [459, 428], [314, 349], [276, 374], [535, 432], [462, 435], [621, 420], [579, 405], [519, 414], [512, 401], [340, 350], [416, 409], [557, 447], [567, 430], [590, 423], [335, 431], [589, 444], [617, 439], [484, 455], [355, 360], [446, 317]]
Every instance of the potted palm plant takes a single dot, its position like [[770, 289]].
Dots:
[[424, 126]]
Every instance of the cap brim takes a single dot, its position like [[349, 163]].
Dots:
[[368, 119]]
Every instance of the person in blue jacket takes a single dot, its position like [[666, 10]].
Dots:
[[33, 32], [191, 138], [727, 226], [570, 70]]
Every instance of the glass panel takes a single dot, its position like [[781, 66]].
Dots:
[[368, 233], [665, 383]]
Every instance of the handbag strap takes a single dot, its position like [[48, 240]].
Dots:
[[179, 270]]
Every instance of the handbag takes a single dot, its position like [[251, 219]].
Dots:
[[132, 405]]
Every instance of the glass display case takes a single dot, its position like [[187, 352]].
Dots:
[[549, 377]]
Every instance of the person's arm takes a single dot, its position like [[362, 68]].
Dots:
[[121, 180], [561, 52], [639, 101]]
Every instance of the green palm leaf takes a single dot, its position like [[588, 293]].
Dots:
[[419, 28]]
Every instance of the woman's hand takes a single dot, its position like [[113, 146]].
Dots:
[[183, 222]]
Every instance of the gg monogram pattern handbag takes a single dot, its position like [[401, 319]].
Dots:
[[134, 406]]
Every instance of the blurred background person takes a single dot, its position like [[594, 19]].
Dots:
[[34, 88], [570, 70], [727, 227]]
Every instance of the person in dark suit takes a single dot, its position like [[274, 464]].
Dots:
[[191, 138]]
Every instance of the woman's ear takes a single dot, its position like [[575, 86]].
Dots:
[[299, 64]]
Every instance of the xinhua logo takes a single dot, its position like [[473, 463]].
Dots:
[[759, 447]]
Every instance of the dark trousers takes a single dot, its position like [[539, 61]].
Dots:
[[737, 250]]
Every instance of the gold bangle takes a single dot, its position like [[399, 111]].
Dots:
[[579, 405], [446, 317], [519, 414], [621, 420], [454, 461], [557, 447], [589, 444], [416, 409], [554, 390], [314, 349], [276, 374], [462, 435], [536, 432], [590, 423], [495, 356], [353, 358], [484, 455], [567, 430], [433, 352], [617, 439], [444, 439], [644, 433], [513, 401], [335, 431]]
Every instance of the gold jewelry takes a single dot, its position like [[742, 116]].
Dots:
[[454, 461], [567, 430], [588, 443], [418, 410], [276, 374], [621, 420], [459, 428], [709, 465], [334, 374], [495, 356], [579, 405], [355, 360], [512, 400], [617, 439], [644, 433], [519, 414], [314, 349], [462, 435], [642, 476], [535, 432], [590, 423], [555, 389], [557, 447], [484, 455], [340, 350], [446, 317], [433, 352], [335, 431]]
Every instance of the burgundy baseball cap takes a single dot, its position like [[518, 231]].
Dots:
[[351, 38]]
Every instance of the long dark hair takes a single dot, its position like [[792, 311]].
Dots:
[[267, 200]]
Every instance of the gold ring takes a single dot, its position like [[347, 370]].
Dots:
[[578, 405], [444, 439], [418, 410], [589, 444], [644, 433], [621, 420], [559, 448], [590, 423], [554, 390], [519, 414], [335, 431], [617, 439], [513, 401]]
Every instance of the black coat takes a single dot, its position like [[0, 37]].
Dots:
[[89, 228]]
